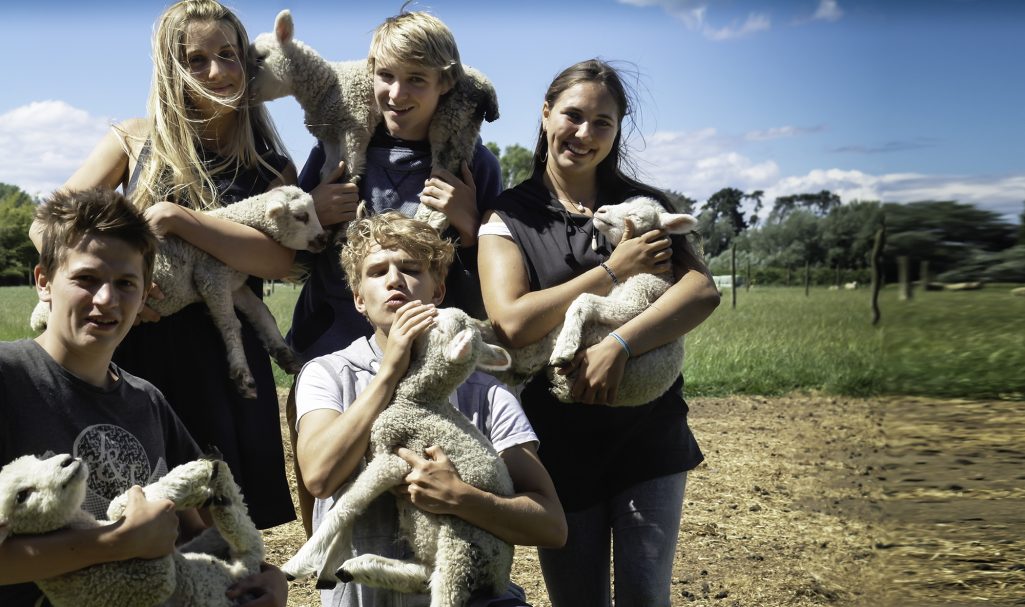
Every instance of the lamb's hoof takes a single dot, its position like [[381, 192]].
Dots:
[[325, 584], [559, 360], [343, 575], [288, 361], [289, 577], [244, 383]]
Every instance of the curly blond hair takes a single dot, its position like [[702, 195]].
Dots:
[[393, 230]]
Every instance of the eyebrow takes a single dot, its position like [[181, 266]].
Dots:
[[575, 108]]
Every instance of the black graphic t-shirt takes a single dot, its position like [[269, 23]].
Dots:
[[127, 433]]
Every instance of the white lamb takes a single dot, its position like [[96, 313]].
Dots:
[[338, 99], [188, 275], [39, 496], [452, 557], [590, 318]]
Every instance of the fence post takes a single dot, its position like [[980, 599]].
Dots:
[[807, 277], [877, 271], [733, 272], [904, 277]]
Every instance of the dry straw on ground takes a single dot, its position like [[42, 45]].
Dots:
[[817, 500]]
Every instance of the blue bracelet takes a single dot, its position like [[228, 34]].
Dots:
[[612, 275], [623, 343]]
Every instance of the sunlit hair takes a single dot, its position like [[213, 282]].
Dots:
[[418, 38], [66, 217], [615, 174], [175, 169], [393, 231]]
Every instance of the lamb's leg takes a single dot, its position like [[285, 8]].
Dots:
[[253, 308], [231, 519], [222, 311], [323, 552], [382, 572], [458, 570], [187, 485], [589, 308]]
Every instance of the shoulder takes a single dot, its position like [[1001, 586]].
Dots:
[[483, 158], [133, 133]]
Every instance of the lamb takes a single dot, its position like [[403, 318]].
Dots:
[[452, 557], [338, 99], [43, 495], [590, 318], [187, 275]]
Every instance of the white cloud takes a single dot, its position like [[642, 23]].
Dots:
[[755, 22], [702, 162], [828, 10], [693, 13], [780, 132], [44, 142]]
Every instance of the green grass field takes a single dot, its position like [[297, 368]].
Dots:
[[951, 344]]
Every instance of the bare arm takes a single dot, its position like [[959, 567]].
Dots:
[[532, 516], [331, 444], [148, 530], [522, 317]]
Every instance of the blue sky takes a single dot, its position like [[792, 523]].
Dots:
[[898, 101]]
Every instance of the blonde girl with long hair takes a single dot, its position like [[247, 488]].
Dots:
[[204, 145]]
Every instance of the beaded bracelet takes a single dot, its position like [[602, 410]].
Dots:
[[623, 343], [612, 274]]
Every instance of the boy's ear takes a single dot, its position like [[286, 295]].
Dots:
[[42, 284], [439, 294], [357, 299]]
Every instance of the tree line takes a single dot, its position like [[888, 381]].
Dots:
[[957, 242]]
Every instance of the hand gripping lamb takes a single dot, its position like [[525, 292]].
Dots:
[[43, 495], [590, 318], [338, 98], [452, 557], [187, 275]]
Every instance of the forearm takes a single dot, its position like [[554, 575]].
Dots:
[[245, 249], [524, 519], [30, 558], [331, 444], [684, 306]]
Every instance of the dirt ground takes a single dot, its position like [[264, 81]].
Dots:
[[817, 500]]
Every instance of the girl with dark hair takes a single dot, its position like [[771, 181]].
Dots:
[[620, 472]]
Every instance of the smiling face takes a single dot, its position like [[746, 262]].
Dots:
[[213, 58], [407, 95], [391, 278], [580, 127], [94, 297]]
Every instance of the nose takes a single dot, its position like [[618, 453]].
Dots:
[[396, 90], [395, 278], [584, 130], [105, 295]]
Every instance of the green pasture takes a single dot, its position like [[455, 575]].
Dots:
[[952, 344]]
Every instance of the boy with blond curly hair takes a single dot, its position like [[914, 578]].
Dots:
[[396, 269]]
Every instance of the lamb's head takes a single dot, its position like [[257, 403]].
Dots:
[[294, 217], [40, 495], [273, 57], [447, 354], [645, 214]]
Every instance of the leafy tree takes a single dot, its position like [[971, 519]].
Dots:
[[847, 233], [722, 218], [681, 202], [946, 233], [17, 254], [517, 163], [819, 203]]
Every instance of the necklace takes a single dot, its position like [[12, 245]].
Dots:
[[579, 206]]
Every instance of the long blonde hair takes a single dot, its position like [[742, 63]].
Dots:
[[174, 169]]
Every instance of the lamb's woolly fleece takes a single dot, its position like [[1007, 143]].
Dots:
[[590, 318], [452, 557], [38, 496], [338, 100], [188, 275]]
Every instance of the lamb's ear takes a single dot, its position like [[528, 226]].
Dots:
[[284, 28], [275, 208], [494, 358], [678, 223], [461, 347]]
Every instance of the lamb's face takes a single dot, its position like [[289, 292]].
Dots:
[[296, 224], [272, 76], [37, 495], [645, 214]]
